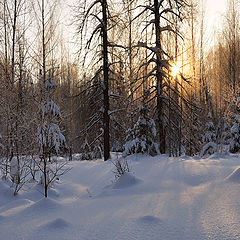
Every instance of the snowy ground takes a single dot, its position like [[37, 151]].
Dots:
[[165, 199]]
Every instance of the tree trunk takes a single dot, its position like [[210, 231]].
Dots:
[[106, 81], [159, 76]]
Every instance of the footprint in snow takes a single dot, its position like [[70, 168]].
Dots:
[[58, 223], [149, 220]]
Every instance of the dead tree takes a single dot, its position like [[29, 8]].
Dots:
[[98, 13]]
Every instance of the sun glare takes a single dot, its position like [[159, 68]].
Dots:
[[175, 69]]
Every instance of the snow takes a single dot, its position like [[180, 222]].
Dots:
[[50, 107], [235, 175], [52, 136], [126, 180], [13, 168], [50, 85], [161, 198]]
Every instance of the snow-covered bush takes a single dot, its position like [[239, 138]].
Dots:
[[90, 153], [121, 167], [97, 152], [86, 153], [235, 137], [235, 127], [226, 134], [209, 138], [19, 171], [140, 139]]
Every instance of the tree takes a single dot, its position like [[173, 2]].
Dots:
[[140, 139], [235, 129], [15, 97], [98, 12], [159, 57], [50, 138], [209, 138]]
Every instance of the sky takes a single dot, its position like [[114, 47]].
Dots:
[[213, 18], [214, 11]]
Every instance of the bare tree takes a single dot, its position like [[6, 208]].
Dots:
[[98, 12]]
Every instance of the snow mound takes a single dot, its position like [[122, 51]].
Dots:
[[58, 223], [126, 180], [235, 175]]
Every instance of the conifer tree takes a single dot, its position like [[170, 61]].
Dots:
[[209, 138], [235, 129], [50, 138], [140, 139]]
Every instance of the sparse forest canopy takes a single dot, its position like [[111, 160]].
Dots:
[[124, 54]]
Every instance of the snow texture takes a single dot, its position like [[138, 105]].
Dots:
[[126, 180], [235, 175], [176, 199]]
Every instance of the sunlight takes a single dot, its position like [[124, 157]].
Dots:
[[175, 69]]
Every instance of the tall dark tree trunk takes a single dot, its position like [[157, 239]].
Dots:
[[159, 76], [14, 42], [106, 87]]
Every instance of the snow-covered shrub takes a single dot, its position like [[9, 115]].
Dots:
[[97, 152], [140, 139], [209, 138], [90, 153], [121, 167], [19, 171], [42, 178], [235, 127], [86, 151], [52, 173], [235, 137], [117, 146], [226, 135]]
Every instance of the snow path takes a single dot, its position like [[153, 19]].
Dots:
[[172, 199]]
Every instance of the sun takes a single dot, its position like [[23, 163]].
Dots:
[[175, 70]]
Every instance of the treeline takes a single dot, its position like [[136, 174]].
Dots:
[[142, 70]]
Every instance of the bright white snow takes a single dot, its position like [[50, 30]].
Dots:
[[161, 199]]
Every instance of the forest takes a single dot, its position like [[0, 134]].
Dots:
[[139, 77], [119, 119]]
